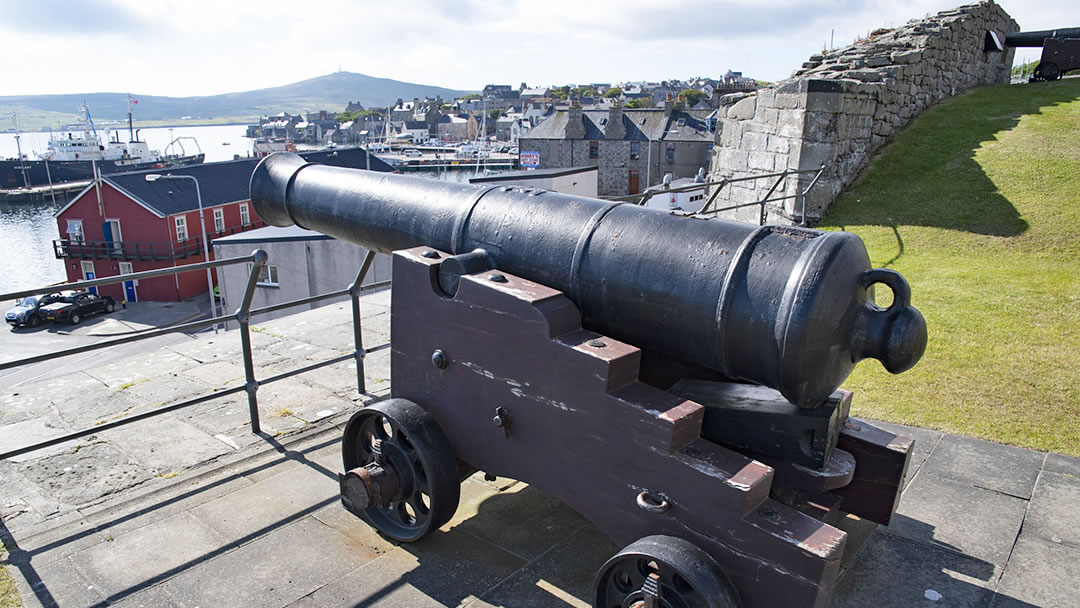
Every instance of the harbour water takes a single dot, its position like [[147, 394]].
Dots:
[[26, 253]]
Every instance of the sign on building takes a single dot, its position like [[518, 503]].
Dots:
[[530, 159]]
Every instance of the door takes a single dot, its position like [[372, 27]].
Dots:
[[88, 273], [112, 236], [130, 294], [634, 186]]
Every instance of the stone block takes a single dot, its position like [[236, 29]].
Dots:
[[877, 61], [780, 145], [813, 155], [764, 161], [754, 142], [731, 137], [732, 160], [790, 123], [906, 57], [824, 102], [743, 110], [765, 115], [788, 101]]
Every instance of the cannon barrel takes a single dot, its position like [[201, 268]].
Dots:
[[779, 306], [1035, 39]]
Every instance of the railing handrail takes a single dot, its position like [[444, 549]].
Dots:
[[122, 278], [258, 260]]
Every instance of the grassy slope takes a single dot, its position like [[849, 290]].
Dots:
[[9, 596], [977, 204]]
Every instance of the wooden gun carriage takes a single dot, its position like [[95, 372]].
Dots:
[[673, 379]]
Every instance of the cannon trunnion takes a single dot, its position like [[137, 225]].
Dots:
[[589, 349]]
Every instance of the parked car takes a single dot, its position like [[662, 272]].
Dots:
[[27, 311], [76, 307], [413, 152]]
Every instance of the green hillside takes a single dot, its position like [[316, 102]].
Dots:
[[330, 92], [977, 204]]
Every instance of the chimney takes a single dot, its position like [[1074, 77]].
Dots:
[[615, 129], [668, 105], [575, 122]]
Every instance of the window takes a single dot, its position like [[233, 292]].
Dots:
[[635, 150], [181, 228], [594, 149], [219, 220], [75, 231], [245, 219], [268, 276], [669, 152]]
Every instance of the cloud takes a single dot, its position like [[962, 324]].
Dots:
[[87, 17]]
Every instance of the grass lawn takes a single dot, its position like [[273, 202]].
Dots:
[[977, 204], [9, 596]]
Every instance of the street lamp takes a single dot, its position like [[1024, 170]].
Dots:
[[153, 177]]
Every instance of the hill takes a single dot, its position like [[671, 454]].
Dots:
[[977, 204], [330, 92]]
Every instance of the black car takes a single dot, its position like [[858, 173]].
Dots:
[[76, 307], [27, 310]]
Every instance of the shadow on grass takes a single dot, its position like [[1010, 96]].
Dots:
[[929, 175]]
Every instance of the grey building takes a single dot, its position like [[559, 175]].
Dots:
[[302, 263], [632, 149]]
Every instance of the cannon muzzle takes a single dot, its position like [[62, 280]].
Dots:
[[1035, 39], [785, 307]]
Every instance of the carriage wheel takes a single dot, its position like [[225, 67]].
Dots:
[[401, 474], [663, 572]]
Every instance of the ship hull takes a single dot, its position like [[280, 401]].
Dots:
[[12, 171]]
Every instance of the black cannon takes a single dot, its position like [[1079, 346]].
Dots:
[[673, 379], [1061, 50]]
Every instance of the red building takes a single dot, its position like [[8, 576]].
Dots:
[[125, 224]]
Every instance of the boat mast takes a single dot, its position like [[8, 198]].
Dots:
[[18, 148], [131, 125]]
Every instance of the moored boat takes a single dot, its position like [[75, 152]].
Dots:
[[72, 155]]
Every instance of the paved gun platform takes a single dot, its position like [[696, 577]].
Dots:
[[190, 509]]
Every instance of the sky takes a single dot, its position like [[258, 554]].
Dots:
[[207, 47]]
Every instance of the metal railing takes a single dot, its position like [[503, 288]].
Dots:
[[763, 203], [142, 250], [243, 316]]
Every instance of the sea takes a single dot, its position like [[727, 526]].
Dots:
[[27, 231]]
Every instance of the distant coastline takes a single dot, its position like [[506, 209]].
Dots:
[[159, 124]]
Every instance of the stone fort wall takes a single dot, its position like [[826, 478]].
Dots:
[[845, 104]]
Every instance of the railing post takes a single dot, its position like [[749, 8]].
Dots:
[[243, 317], [712, 197], [358, 338]]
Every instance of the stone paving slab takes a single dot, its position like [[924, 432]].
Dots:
[[937, 511], [1041, 573], [275, 570], [1001, 468], [149, 554], [898, 573]]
